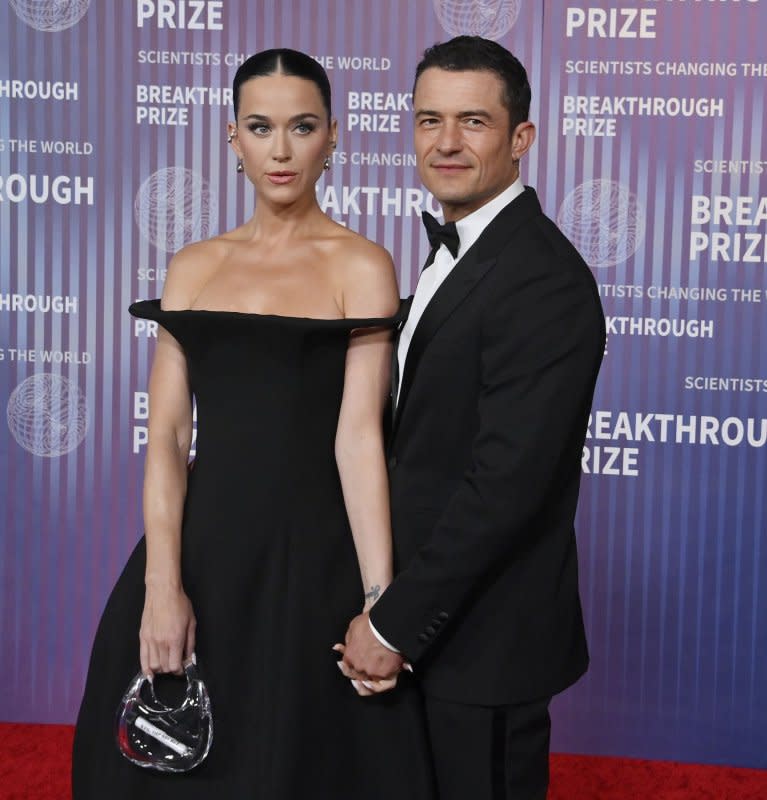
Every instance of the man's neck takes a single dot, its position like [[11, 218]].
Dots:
[[455, 212]]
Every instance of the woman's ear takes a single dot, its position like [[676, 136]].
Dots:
[[231, 138]]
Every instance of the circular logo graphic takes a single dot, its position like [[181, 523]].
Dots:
[[604, 220], [50, 15], [174, 206], [47, 415], [488, 18]]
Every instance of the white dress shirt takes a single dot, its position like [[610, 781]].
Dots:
[[469, 229]]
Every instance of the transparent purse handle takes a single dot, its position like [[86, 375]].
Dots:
[[153, 735]]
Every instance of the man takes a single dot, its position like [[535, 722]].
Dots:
[[498, 361]]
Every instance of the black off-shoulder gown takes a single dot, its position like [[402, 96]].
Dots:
[[269, 564]]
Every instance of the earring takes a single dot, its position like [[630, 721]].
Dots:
[[229, 138], [240, 167], [326, 165]]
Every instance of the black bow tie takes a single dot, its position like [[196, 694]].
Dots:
[[446, 234]]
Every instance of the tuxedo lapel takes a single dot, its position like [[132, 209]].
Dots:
[[395, 370], [466, 274]]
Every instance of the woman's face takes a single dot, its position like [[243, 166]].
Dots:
[[282, 135]]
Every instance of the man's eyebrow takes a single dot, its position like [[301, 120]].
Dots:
[[425, 112], [477, 113]]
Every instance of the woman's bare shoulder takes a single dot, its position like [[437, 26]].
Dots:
[[191, 268], [365, 271], [351, 251]]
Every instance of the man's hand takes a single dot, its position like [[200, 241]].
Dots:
[[365, 658], [363, 686]]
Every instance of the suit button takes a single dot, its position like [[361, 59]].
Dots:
[[422, 637], [443, 615], [431, 630], [392, 462]]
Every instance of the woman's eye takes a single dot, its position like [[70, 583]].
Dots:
[[259, 129], [304, 127]]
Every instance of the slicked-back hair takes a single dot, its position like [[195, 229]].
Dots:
[[283, 61], [473, 53]]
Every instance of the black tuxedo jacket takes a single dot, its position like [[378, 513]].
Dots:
[[484, 468]]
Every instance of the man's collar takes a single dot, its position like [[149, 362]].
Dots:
[[470, 228]]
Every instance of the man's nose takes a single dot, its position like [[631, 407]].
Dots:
[[449, 140]]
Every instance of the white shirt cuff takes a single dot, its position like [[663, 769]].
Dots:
[[381, 638]]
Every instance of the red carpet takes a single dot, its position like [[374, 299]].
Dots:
[[35, 766]]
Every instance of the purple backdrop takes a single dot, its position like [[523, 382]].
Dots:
[[650, 155]]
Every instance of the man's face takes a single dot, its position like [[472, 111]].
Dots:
[[465, 151]]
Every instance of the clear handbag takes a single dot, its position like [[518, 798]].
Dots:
[[156, 736]]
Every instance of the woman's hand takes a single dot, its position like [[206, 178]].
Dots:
[[167, 631], [364, 686]]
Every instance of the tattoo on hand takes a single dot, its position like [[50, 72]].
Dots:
[[373, 594]]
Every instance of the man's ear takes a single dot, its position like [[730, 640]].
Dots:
[[522, 138]]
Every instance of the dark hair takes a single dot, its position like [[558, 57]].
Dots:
[[281, 61], [467, 53]]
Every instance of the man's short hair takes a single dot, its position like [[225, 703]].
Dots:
[[470, 53]]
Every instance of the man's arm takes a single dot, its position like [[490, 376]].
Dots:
[[542, 344]]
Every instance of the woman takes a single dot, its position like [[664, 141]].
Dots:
[[257, 559]]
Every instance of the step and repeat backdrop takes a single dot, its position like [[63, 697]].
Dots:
[[651, 156]]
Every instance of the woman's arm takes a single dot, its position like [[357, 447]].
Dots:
[[168, 624], [360, 458], [371, 291]]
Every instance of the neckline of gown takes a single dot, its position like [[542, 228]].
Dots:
[[155, 306]]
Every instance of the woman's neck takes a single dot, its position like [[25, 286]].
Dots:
[[277, 222]]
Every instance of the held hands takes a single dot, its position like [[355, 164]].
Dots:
[[371, 667], [167, 631]]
